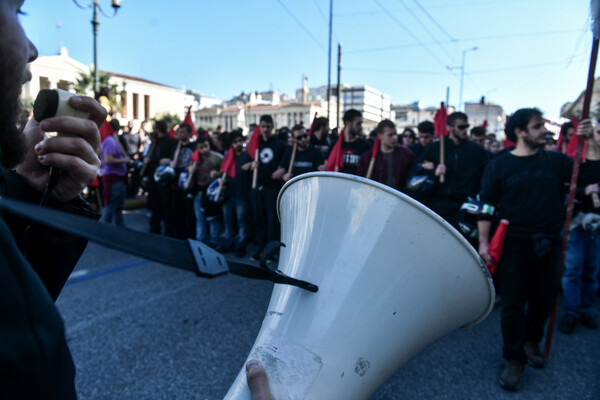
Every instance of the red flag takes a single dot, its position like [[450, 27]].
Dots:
[[440, 121], [172, 131], [336, 157], [496, 244], [312, 127], [188, 119], [228, 163], [254, 142], [509, 143], [485, 124], [572, 146], [376, 147], [105, 131]]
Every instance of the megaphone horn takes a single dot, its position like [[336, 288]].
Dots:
[[392, 275]]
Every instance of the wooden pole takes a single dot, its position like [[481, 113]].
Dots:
[[442, 158], [292, 159], [255, 172], [221, 183], [371, 167]]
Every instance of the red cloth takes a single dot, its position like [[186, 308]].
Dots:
[[188, 120], [107, 182], [254, 142], [228, 163], [496, 244], [105, 131], [509, 143], [440, 121], [336, 157], [196, 157], [376, 147], [572, 147], [172, 131], [485, 124], [312, 126]]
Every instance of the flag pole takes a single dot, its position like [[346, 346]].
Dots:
[[570, 203], [442, 158], [255, 172], [292, 159]]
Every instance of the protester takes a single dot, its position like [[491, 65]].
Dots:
[[582, 259], [408, 137], [307, 158], [352, 146], [320, 137], [114, 178], [462, 171], [392, 162], [426, 131], [478, 136], [271, 151], [527, 187], [181, 201]]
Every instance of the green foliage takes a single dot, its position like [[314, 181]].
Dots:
[[170, 119]]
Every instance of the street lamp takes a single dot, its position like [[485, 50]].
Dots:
[[96, 6], [462, 76]]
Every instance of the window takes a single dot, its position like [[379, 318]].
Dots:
[[146, 107], [63, 85], [124, 103], [136, 106], [44, 83]]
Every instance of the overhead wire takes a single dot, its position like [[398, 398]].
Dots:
[[440, 27], [302, 25]]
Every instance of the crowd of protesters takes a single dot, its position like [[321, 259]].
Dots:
[[196, 191]]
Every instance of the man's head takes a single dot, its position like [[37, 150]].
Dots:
[[160, 128], [266, 125], [236, 138], [566, 130], [353, 123], [300, 137], [16, 51], [526, 126], [321, 127], [426, 131], [478, 135], [458, 123], [386, 132], [184, 132], [203, 145]]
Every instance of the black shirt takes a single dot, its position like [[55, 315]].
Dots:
[[304, 161], [270, 155], [352, 152]]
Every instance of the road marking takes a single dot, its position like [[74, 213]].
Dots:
[[77, 274], [88, 276]]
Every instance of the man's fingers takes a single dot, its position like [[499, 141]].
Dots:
[[97, 113], [75, 146], [83, 128], [257, 381]]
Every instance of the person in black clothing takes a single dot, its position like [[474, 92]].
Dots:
[[307, 158], [131, 143], [463, 168], [181, 209], [160, 154], [527, 187], [426, 135], [353, 146], [271, 152], [320, 137], [35, 362]]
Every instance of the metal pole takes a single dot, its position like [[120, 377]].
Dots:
[[329, 62], [462, 80], [95, 24], [447, 96], [339, 90]]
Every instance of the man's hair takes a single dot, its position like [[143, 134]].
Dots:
[[266, 118], [520, 119], [478, 131], [114, 123], [351, 115], [160, 126], [426, 127], [297, 127], [319, 123], [202, 140], [186, 127], [386, 123], [233, 136], [455, 116]]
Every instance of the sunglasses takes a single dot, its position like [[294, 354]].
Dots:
[[300, 137], [462, 126]]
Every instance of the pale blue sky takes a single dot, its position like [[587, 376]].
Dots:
[[531, 52]]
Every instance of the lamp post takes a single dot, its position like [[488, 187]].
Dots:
[[462, 76], [95, 6]]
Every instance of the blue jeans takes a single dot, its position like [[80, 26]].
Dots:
[[235, 210], [201, 223], [114, 207], [580, 279]]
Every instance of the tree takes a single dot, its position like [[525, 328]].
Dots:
[[170, 119]]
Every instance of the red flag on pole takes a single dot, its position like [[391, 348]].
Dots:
[[188, 119], [312, 127], [440, 121], [336, 157], [496, 244], [376, 147], [485, 124], [254, 142], [228, 163], [572, 146], [172, 131]]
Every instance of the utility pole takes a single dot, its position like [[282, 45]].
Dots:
[[339, 89], [329, 61]]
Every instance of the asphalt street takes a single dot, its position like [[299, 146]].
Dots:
[[141, 330]]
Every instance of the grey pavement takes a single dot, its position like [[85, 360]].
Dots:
[[140, 330]]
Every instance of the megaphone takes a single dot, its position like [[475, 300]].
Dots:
[[393, 277]]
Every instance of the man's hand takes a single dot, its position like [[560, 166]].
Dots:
[[287, 176], [427, 165], [257, 381], [440, 170], [484, 252], [75, 153], [585, 128]]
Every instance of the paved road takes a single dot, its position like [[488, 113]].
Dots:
[[140, 330]]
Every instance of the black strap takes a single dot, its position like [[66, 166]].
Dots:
[[190, 255]]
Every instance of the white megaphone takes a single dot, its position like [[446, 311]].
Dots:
[[393, 277]]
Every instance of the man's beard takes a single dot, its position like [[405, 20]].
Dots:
[[532, 143], [12, 141]]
